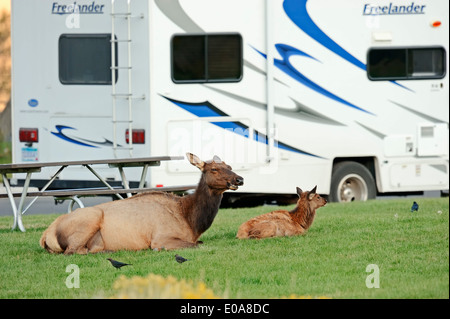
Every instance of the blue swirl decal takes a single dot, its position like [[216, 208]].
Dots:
[[79, 140], [206, 109], [284, 65], [61, 135], [296, 11]]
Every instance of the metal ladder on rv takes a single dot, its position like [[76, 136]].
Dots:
[[128, 96]]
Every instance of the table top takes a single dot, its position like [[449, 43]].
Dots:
[[124, 162]]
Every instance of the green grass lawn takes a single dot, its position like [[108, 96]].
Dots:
[[411, 251]]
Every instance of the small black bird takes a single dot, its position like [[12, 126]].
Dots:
[[414, 207], [180, 259], [116, 263]]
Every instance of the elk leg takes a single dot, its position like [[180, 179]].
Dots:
[[96, 244], [263, 230], [78, 230], [171, 243], [80, 243]]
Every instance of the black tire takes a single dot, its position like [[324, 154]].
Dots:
[[351, 181]]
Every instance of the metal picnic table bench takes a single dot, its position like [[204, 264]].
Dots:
[[30, 168]]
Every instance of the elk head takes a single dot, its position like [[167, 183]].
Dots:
[[216, 173], [314, 200]]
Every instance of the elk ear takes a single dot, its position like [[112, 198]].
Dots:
[[194, 160], [217, 159], [299, 191], [312, 193]]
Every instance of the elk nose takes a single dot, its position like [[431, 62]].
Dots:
[[239, 180]]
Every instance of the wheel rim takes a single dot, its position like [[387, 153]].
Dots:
[[352, 188]]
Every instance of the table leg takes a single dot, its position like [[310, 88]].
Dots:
[[45, 187], [102, 179], [143, 175], [124, 180], [17, 210], [22, 201], [11, 199], [73, 200]]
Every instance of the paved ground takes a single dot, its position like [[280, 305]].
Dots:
[[46, 205]]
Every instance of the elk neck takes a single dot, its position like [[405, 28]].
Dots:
[[303, 214], [201, 208]]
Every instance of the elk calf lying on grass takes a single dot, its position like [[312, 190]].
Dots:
[[282, 222]]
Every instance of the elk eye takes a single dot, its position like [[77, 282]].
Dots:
[[214, 169]]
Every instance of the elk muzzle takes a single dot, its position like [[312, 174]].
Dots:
[[235, 183]]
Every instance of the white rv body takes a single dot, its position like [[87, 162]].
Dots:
[[303, 102]]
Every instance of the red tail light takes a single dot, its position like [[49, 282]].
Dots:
[[138, 136], [28, 135]]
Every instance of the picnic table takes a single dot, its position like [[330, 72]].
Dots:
[[73, 194]]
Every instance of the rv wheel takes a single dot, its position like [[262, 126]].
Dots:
[[351, 181]]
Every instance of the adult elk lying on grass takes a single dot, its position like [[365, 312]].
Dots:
[[150, 220], [283, 222]]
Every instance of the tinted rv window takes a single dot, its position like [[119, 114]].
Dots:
[[426, 62], [85, 59], [224, 57], [188, 58], [406, 63], [206, 58]]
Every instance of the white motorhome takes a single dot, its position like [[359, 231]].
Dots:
[[351, 96]]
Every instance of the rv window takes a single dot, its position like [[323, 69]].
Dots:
[[224, 57], [426, 62], [206, 58], [188, 58], [85, 59], [406, 63]]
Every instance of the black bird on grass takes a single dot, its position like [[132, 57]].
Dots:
[[117, 264], [414, 207], [180, 259]]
